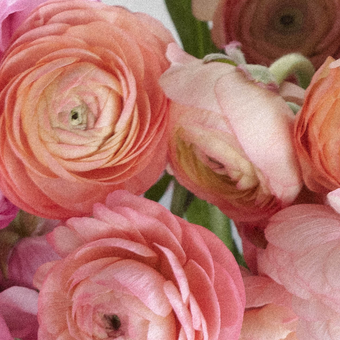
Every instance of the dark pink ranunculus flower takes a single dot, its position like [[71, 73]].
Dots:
[[24, 248], [268, 29], [8, 211], [12, 14], [21, 267], [135, 271], [18, 313]]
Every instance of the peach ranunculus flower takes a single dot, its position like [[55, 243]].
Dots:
[[303, 255], [317, 130], [268, 29], [230, 138], [81, 107], [136, 271]]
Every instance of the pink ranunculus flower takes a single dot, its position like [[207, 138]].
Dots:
[[18, 314], [135, 271], [21, 267], [230, 138], [268, 29], [24, 248], [12, 14], [81, 107], [8, 211], [268, 313], [303, 255]]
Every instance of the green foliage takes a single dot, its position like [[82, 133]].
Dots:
[[156, 192], [209, 216], [194, 34]]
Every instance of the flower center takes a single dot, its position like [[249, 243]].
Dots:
[[288, 20], [113, 321], [78, 117], [113, 326]]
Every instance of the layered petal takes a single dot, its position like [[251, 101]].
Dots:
[[268, 29], [316, 130], [302, 255], [231, 139], [139, 273], [84, 115]]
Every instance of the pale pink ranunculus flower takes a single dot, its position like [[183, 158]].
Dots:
[[268, 29], [303, 255], [86, 114], [135, 271], [230, 138], [268, 314], [18, 313]]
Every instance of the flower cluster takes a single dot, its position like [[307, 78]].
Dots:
[[102, 114]]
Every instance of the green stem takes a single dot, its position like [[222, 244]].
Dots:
[[181, 199], [221, 226], [293, 64]]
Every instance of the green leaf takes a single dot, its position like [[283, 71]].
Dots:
[[209, 216], [156, 192], [194, 34]]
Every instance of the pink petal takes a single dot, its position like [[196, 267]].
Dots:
[[19, 306], [263, 124], [22, 267]]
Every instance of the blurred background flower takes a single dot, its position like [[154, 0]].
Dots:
[[268, 29]]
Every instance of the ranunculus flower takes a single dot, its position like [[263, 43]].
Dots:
[[26, 235], [21, 267], [18, 314], [268, 29], [12, 14], [317, 130], [8, 211], [303, 255], [268, 313], [135, 271], [81, 107], [230, 138]]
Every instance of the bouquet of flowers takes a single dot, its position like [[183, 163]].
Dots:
[[103, 115]]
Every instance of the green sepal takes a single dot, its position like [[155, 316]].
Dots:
[[218, 57]]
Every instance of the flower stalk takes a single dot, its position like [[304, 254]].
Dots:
[[293, 64]]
